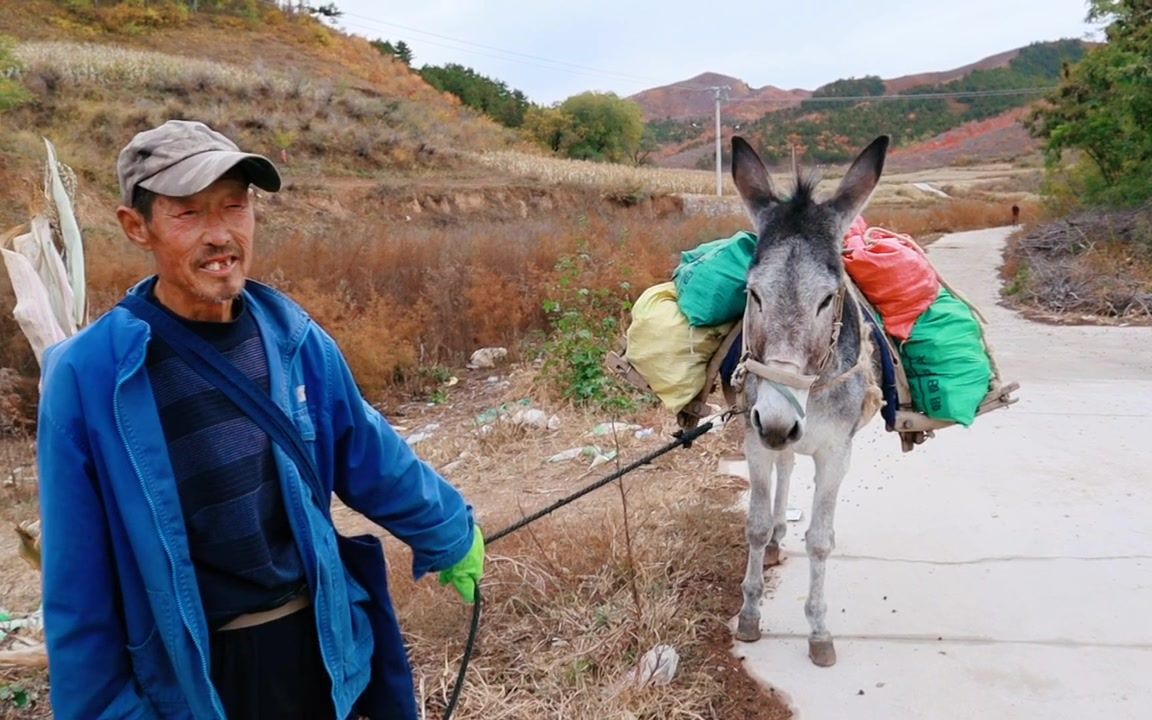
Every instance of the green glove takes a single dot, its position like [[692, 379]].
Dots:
[[465, 574]]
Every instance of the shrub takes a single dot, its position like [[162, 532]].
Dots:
[[585, 323], [12, 92]]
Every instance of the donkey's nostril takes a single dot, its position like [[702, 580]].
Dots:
[[795, 433], [756, 420]]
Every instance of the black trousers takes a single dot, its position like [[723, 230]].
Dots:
[[273, 671]]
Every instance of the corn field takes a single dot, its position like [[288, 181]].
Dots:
[[90, 64]]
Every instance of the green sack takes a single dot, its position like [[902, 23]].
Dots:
[[947, 366], [710, 279]]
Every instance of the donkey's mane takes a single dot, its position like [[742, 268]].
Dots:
[[791, 210], [804, 192], [793, 216]]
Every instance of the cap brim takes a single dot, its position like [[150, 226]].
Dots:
[[193, 174]]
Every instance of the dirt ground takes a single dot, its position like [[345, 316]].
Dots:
[[505, 473]]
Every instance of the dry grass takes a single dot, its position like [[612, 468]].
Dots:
[[399, 297], [641, 180], [19, 583], [100, 94], [94, 66], [1090, 266], [572, 608], [945, 216], [402, 296], [571, 604]]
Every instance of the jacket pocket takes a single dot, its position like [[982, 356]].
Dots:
[[302, 419], [156, 677]]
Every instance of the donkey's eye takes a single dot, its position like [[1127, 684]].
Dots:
[[825, 303], [755, 299]]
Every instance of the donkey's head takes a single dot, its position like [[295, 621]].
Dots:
[[795, 285]]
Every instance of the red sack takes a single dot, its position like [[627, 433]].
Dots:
[[893, 273]]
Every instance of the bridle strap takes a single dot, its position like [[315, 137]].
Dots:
[[776, 375], [785, 381]]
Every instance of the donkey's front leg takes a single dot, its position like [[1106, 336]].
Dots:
[[831, 466], [785, 462], [759, 528]]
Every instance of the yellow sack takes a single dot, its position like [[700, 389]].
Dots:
[[663, 347]]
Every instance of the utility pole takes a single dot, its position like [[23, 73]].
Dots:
[[721, 92]]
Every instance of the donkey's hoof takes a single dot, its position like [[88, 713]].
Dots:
[[771, 556], [822, 653], [747, 630]]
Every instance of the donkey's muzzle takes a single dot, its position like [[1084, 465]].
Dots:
[[775, 435]]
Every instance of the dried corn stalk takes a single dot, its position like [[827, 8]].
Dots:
[[45, 262]]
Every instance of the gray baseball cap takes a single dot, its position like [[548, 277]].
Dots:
[[181, 158]]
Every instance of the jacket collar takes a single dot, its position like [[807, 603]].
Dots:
[[272, 309]]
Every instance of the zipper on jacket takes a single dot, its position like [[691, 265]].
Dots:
[[301, 495], [163, 539]]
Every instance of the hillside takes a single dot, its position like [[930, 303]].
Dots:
[[318, 101], [895, 86], [999, 138], [692, 99], [827, 129]]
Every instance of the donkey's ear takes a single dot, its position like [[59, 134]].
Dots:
[[751, 178], [860, 180]]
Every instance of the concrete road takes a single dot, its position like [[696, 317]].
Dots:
[[1003, 571]]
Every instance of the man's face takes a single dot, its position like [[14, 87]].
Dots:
[[202, 245]]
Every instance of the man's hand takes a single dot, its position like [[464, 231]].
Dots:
[[465, 574]]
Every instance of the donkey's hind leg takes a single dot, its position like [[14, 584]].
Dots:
[[831, 466], [784, 465], [759, 529]]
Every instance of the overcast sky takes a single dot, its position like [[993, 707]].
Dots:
[[552, 50]]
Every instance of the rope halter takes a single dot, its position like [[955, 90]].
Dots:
[[784, 380]]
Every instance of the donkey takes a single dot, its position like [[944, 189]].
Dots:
[[807, 373]]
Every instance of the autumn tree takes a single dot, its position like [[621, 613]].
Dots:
[[591, 126], [1102, 107]]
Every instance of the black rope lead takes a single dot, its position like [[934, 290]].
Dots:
[[469, 648], [683, 438]]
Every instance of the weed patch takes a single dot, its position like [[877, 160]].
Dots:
[[1091, 264], [946, 216]]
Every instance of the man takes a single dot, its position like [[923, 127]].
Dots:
[[187, 571]]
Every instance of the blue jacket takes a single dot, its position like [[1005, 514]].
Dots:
[[126, 632]]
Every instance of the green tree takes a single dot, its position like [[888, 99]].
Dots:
[[399, 50], [404, 53], [1102, 106], [491, 97], [851, 87], [384, 47], [327, 10], [591, 126]]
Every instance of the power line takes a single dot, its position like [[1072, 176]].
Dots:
[[561, 64], [652, 83]]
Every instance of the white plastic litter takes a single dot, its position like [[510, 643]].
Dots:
[[614, 428], [602, 458], [657, 667], [485, 358], [422, 434], [566, 455], [531, 418]]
